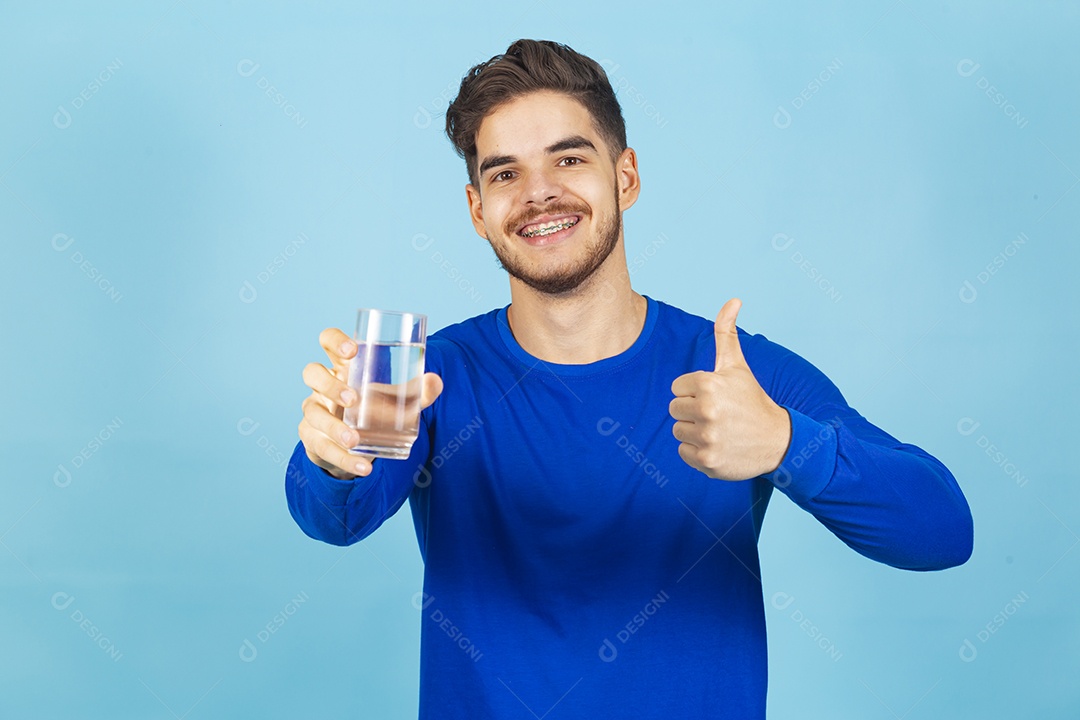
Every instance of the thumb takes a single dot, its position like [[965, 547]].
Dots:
[[728, 349], [432, 388]]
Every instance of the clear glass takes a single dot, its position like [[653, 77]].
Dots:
[[387, 373]]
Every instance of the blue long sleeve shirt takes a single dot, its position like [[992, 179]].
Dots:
[[574, 565]]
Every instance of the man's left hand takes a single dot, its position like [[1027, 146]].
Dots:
[[728, 427]]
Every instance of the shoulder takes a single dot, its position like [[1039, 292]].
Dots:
[[676, 323], [777, 368], [459, 342]]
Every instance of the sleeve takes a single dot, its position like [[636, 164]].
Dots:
[[889, 501], [343, 512]]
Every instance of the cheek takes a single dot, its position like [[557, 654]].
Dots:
[[598, 196], [496, 213]]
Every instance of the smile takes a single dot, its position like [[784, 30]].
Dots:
[[548, 228]]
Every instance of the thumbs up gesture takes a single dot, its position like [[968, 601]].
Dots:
[[727, 426]]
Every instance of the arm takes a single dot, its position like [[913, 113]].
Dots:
[[343, 512], [889, 501], [334, 495]]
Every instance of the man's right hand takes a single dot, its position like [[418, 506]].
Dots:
[[325, 435]]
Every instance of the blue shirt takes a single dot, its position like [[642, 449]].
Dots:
[[574, 563]]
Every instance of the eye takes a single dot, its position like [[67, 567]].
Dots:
[[576, 160], [498, 176]]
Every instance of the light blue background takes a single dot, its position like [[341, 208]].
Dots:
[[225, 230]]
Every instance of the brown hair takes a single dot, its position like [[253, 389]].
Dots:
[[527, 66]]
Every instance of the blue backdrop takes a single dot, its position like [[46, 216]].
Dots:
[[190, 192]]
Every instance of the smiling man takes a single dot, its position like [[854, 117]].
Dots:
[[593, 465]]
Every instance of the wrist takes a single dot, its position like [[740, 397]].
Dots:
[[340, 474], [783, 436]]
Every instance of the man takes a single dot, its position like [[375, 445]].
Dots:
[[593, 465]]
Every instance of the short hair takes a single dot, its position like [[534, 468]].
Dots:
[[528, 66]]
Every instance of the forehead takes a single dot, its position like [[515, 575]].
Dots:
[[529, 123]]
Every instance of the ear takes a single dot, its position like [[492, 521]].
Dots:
[[627, 178], [476, 210]]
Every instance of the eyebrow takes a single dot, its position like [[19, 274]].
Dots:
[[573, 142]]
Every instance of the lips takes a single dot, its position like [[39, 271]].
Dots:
[[548, 225]]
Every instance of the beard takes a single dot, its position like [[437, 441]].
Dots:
[[562, 279]]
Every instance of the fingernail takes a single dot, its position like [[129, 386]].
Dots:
[[348, 396], [360, 466], [347, 437], [346, 347]]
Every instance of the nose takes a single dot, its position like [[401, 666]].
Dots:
[[540, 187]]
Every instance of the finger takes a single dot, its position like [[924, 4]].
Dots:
[[433, 387], [329, 424], [330, 455], [687, 432], [339, 347], [685, 408], [728, 349], [330, 386], [688, 385], [689, 454]]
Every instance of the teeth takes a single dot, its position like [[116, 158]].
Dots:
[[550, 227]]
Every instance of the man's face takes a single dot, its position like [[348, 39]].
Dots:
[[540, 162]]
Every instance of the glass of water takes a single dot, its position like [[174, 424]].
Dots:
[[387, 373]]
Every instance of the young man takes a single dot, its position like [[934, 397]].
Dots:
[[593, 465]]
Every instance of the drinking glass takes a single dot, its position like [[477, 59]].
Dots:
[[387, 373]]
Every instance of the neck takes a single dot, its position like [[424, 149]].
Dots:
[[600, 318]]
